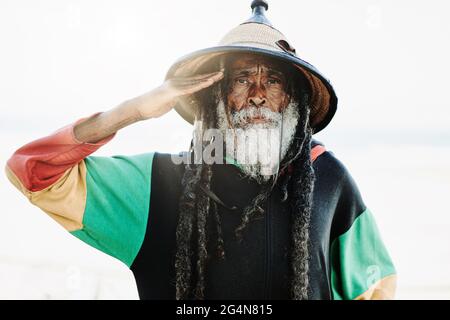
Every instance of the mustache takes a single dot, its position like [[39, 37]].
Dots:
[[245, 115]]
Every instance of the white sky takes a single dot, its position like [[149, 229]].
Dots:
[[62, 60]]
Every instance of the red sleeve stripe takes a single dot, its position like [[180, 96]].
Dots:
[[42, 162], [316, 152]]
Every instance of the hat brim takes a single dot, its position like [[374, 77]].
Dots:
[[323, 100]]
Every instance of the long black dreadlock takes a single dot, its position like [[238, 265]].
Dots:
[[194, 211], [196, 206]]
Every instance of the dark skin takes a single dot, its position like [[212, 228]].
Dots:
[[256, 81]]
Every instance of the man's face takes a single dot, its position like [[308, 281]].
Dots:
[[256, 82], [262, 117]]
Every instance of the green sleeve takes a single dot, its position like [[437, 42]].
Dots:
[[117, 204], [359, 259]]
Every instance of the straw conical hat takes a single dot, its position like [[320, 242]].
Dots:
[[258, 36]]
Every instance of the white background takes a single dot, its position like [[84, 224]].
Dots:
[[63, 60]]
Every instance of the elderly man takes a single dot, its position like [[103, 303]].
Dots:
[[274, 216]]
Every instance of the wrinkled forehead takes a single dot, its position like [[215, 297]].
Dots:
[[252, 63]]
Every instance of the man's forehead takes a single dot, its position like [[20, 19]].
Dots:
[[249, 61]]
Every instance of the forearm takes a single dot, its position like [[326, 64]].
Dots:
[[106, 123]]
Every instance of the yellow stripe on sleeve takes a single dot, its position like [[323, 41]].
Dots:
[[64, 200]]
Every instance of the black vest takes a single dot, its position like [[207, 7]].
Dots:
[[257, 267]]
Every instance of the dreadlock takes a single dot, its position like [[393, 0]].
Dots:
[[300, 185], [195, 204], [194, 210]]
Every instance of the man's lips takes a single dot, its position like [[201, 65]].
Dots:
[[257, 119]]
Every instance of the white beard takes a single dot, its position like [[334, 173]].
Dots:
[[256, 146]]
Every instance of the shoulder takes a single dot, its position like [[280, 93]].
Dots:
[[334, 179], [130, 167], [330, 167], [141, 161]]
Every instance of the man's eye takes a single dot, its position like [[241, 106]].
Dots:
[[273, 81], [242, 81]]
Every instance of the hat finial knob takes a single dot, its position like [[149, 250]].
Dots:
[[259, 7], [259, 3]]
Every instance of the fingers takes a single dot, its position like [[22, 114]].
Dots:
[[195, 79], [204, 83], [196, 83], [204, 75]]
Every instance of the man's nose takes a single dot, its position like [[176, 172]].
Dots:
[[256, 97]]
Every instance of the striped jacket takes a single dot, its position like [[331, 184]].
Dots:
[[127, 207]]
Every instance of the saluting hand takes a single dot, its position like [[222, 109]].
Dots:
[[162, 99]]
